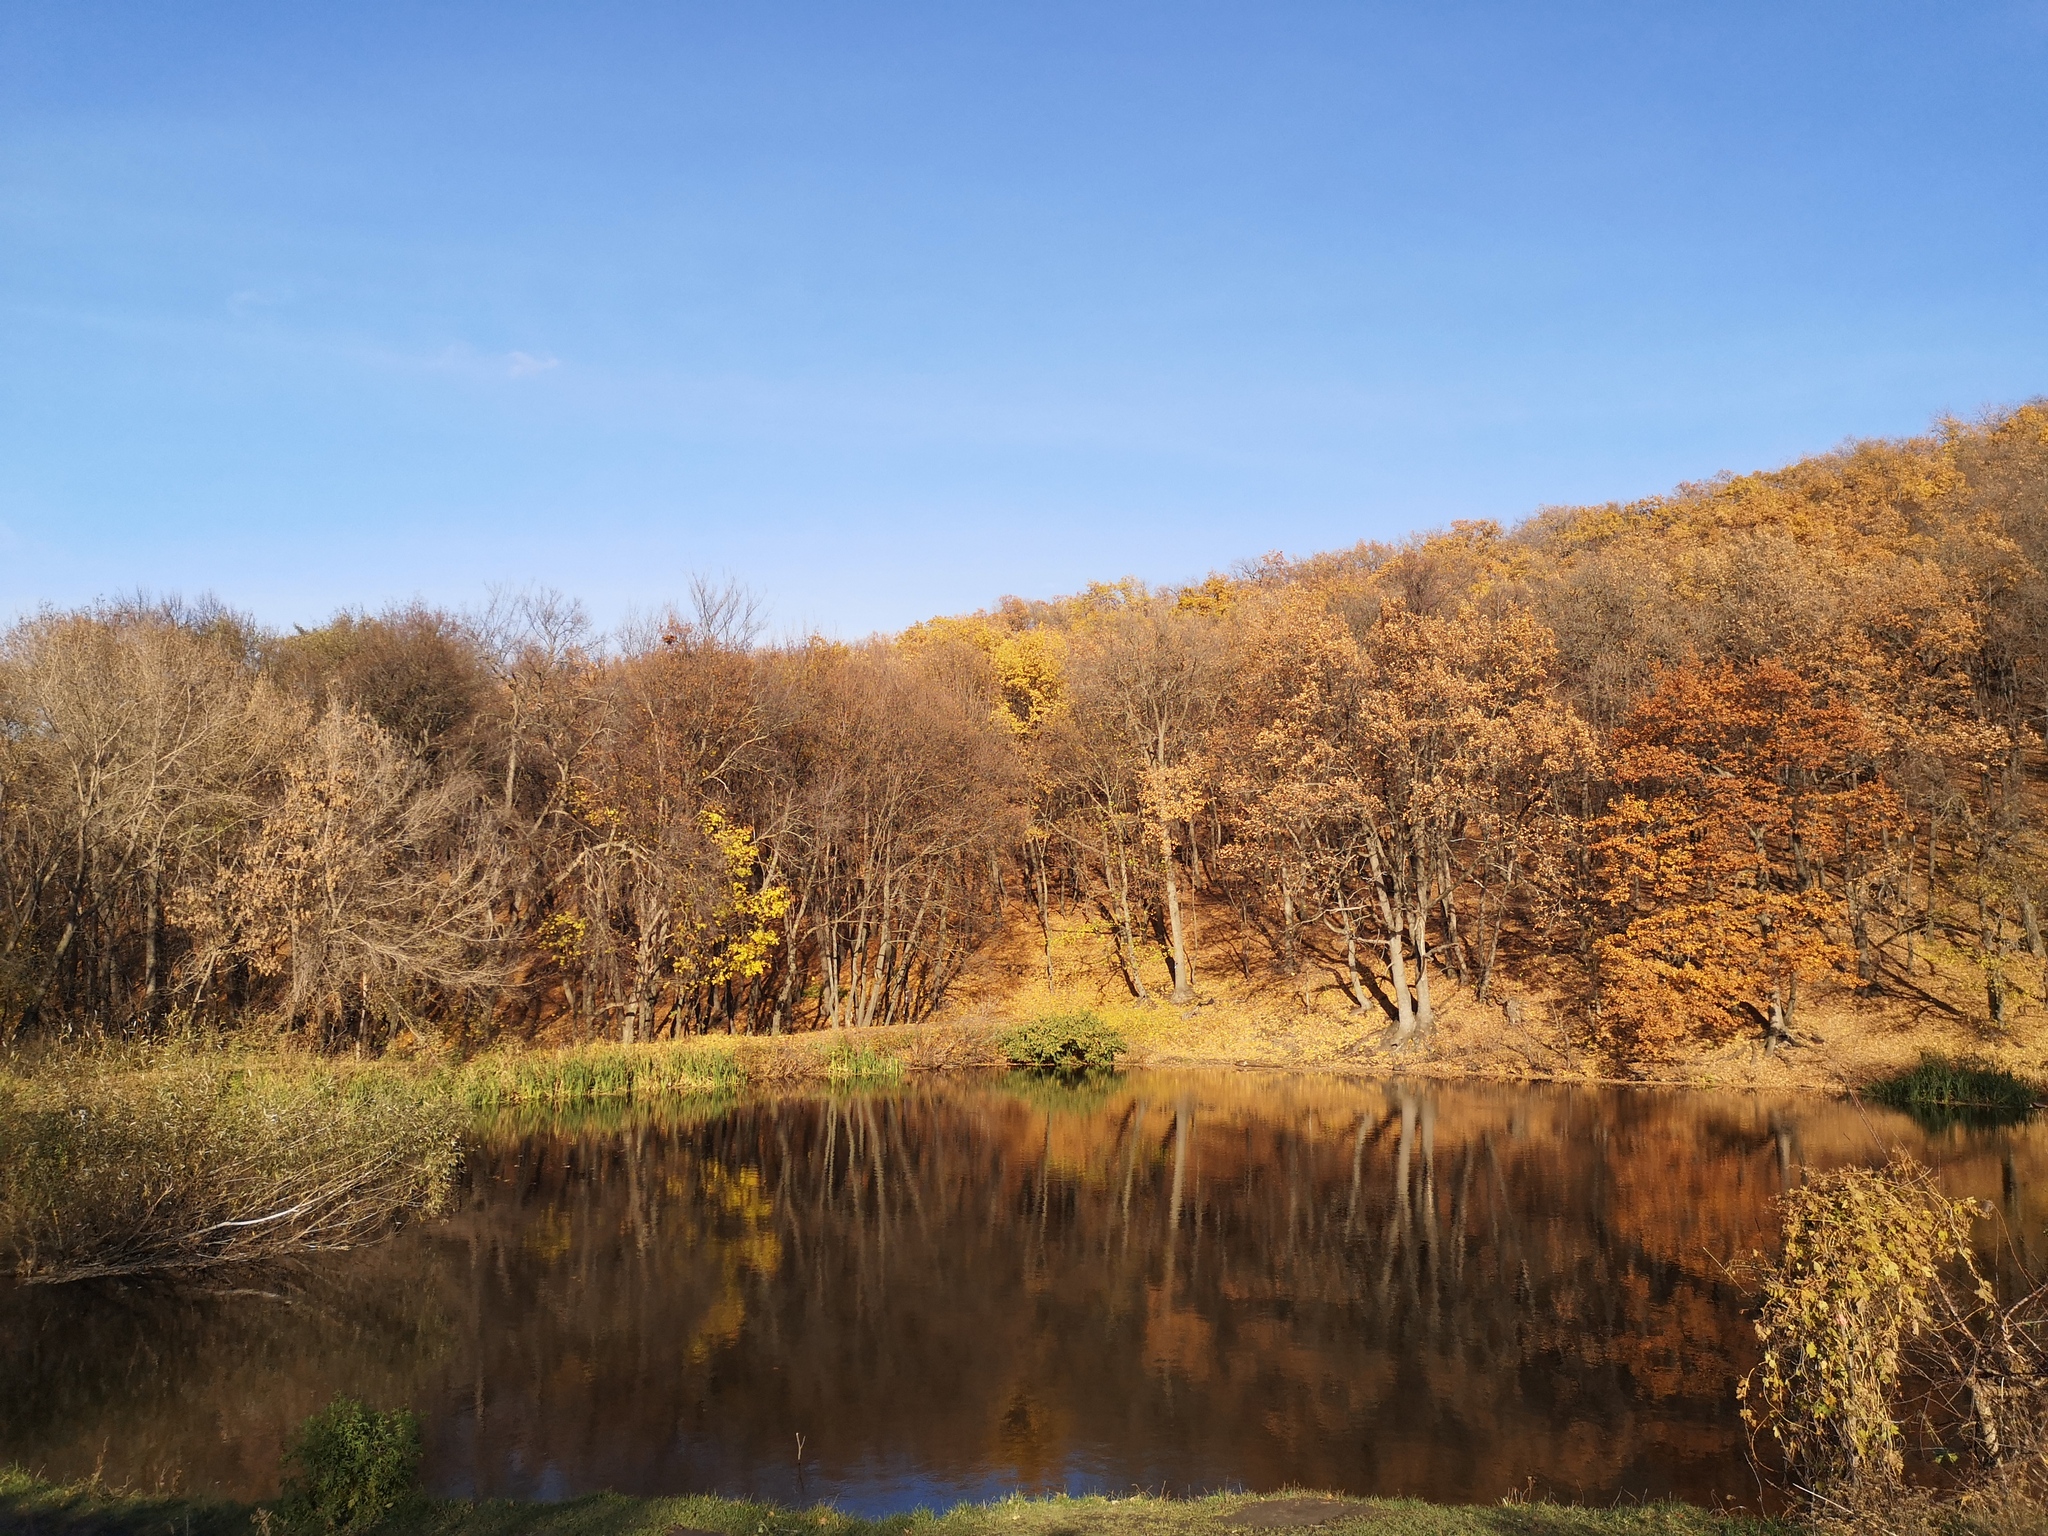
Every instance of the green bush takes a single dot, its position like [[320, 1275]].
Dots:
[[1065, 1042], [350, 1468], [1944, 1090]]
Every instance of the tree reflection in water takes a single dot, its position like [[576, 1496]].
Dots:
[[1178, 1281]]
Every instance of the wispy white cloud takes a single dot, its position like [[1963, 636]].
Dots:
[[524, 365], [243, 300]]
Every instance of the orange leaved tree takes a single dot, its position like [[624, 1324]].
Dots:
[[1752, 810]]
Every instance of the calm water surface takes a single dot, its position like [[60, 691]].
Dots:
[[1171, 1281]]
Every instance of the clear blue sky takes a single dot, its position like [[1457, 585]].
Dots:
[[888, 309]]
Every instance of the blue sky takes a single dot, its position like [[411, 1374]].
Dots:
[[889, 309]]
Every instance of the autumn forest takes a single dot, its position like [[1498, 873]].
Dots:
[[1686, 770]]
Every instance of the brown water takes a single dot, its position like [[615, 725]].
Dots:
[[1177, 1282]]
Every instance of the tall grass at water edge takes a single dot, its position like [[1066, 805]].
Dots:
[[203, 1162], [849, 1065], [1944, 1090], [604, 1071], [183, 1159], [688, 1069]]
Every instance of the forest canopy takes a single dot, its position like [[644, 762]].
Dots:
[[1683, 765]]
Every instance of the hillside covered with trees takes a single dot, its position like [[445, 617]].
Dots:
[[1682, 772]]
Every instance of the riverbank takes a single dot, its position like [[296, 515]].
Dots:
[[133, 1158], [1846, 1060], [1843, 1042], [33, 1508]]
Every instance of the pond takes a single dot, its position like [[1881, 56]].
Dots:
[[1173, 1282]]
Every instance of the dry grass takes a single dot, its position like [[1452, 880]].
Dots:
[[195, 1162], [1533, 1027]]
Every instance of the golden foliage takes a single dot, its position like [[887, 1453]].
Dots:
[[1864, 1251], [1683, 766]]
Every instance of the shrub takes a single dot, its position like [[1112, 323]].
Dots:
[[1876, 1311], [350, 1468], [1065, 1042]]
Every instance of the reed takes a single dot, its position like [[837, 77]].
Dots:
[[204, 1163], [1947, 1089], [848, 1065], [594, 1072]]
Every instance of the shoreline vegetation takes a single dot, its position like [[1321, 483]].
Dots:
[[136, 1158], [40, 1509], [718, 1066], [189, 1163]]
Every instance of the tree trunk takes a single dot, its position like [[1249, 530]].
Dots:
[[1352, 984], [1927, 916], [152, 922], [1418, 934], [1397, 967], [1397, 962], [1043, 895], [1119, 882], [1290, 943], [1183, 971], [1448, 906]]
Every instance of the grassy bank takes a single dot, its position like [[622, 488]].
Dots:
[[1948, 1072], [715, 1066], [40, 1509], [700, 1067], [721, 1067]]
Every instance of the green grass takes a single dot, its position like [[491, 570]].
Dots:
[[685, 1069], [688, 1069], [851, 1065], [1943, 1090], [700, 1070], [29, 1506]]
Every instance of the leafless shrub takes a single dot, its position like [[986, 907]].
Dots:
[[1875, 1315]]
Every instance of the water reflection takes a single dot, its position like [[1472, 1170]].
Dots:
[[1178, 1281]]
